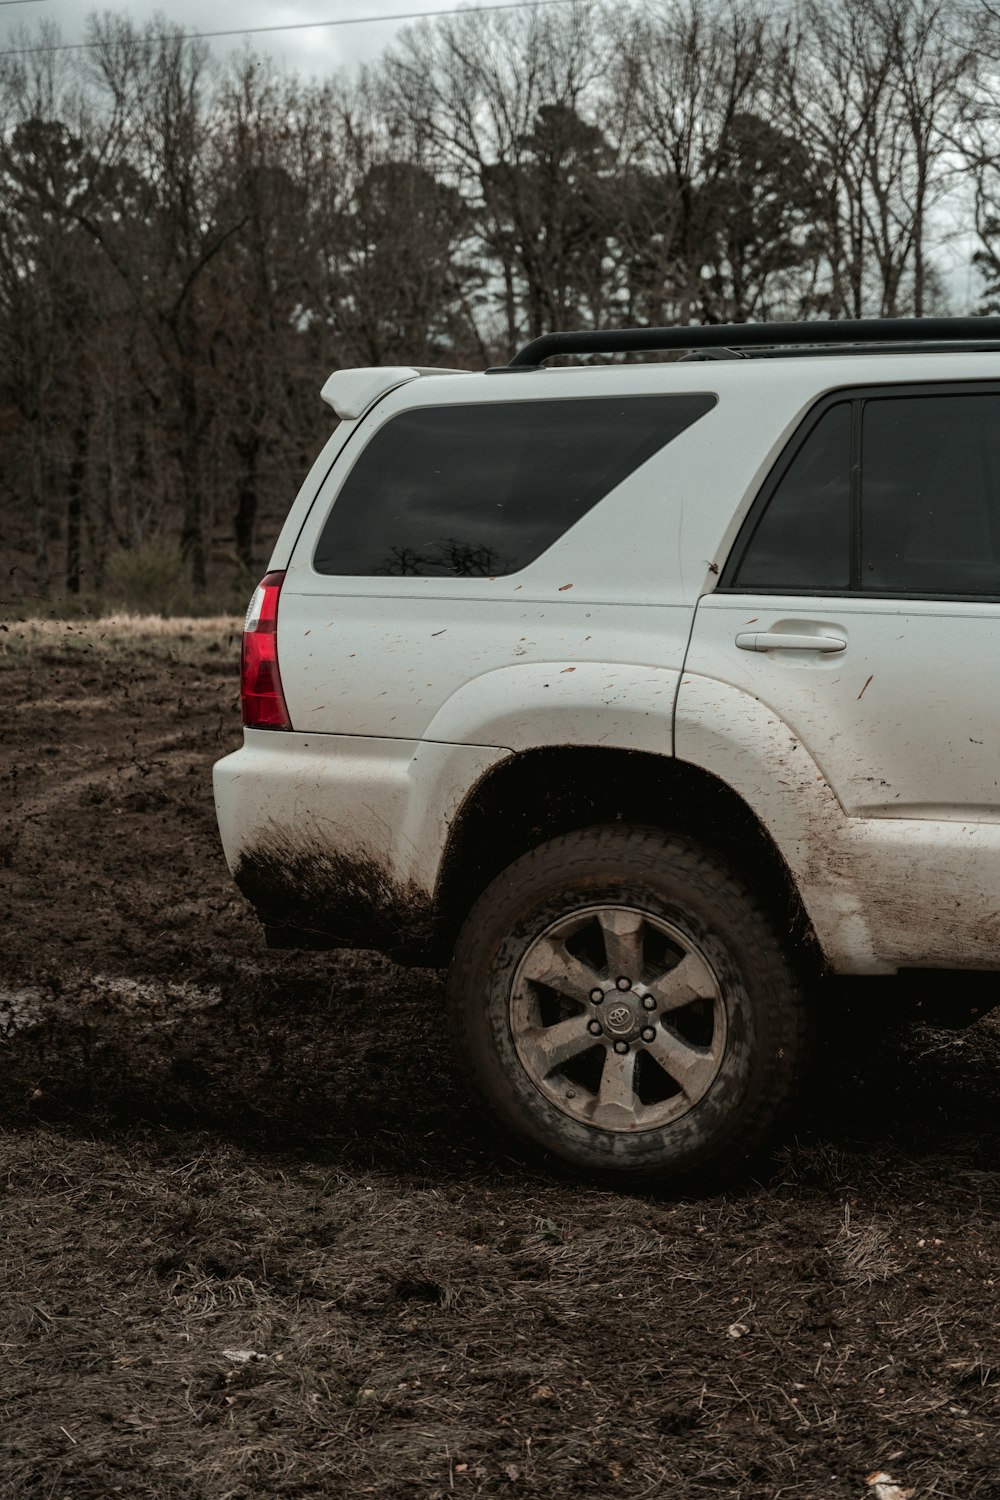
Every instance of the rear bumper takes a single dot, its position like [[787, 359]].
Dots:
[[338, 841]]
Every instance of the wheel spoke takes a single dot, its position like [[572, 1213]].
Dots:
[[690, 980], [616, 1104], [623, 933], [551, 963], [567, 969], [545, 1048], [693, 1068]]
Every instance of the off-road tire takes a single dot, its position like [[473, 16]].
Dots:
[[672, 882]]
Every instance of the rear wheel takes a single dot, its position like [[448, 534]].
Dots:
[[619, 998]]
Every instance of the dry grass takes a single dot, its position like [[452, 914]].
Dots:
[[129, 625], [108, 634], [865, 1251], [186, 1315]]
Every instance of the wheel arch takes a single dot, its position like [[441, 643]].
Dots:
[[537, 795]]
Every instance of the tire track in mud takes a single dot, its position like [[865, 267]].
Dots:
[[175, 747]]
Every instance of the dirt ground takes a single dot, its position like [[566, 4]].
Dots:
[[256, 1244]]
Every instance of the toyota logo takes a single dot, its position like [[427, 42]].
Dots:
[[619, 1018]]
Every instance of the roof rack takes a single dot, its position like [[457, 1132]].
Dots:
[[908, 333]]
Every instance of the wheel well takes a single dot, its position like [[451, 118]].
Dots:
[[539, 794]]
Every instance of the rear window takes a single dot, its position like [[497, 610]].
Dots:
[[481, 490]]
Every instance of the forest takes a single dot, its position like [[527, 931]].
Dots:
[[189, 244]]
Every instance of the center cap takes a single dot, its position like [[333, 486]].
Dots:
[[619, 1019]]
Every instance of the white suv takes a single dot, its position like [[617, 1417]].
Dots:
[[639, 694]]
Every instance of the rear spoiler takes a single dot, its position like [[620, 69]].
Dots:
[[351, 392]]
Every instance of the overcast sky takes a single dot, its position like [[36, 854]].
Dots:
[[318, 51]]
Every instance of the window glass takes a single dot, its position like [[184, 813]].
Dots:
[[803, 539], [930, 508], [482, 490]]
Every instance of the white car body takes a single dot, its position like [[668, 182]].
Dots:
[[872, 771]]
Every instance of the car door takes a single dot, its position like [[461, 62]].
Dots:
[[861, 602]]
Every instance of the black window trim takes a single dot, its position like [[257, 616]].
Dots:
[[857, 396]]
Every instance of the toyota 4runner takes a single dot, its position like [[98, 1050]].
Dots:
[[639, 694]]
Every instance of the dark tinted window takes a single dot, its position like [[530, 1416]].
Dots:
[[803, 538], [477, 491], [930, 507]]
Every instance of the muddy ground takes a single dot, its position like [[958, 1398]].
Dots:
[[256, 1244]]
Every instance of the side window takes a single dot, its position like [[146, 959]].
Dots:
[[930, 502], [481, 490], [802, 540]]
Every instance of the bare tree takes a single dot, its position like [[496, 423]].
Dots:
[[400, 272], [163, 227], [258, 284], [42, 317], [686, 74], [501, 110], [874, 88]]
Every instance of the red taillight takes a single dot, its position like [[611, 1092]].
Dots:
[[260, 683]]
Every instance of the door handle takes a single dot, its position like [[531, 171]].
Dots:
[[782, 640]]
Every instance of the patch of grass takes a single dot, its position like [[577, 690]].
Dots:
[[121, 635], [152, 578], [865, 1251], [140, 583]]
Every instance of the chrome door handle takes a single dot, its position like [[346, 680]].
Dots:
[[781, 640]]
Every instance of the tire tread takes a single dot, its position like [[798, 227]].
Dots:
[[648, 851]]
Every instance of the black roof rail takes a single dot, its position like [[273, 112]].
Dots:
[[904, 332]]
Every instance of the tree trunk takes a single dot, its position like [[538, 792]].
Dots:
[[39, 519], [510, 306], [192, 525], [74, 503], [245, 517]]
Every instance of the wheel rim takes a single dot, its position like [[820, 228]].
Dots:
[[618, 1019]]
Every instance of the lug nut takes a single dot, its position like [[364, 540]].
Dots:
[[648, 1034], [623, 983], [648, 1002], [595, 1028], [597, 996], [621, 1046]]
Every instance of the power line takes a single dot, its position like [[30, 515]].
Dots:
[[22, 2], [191, 36]]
